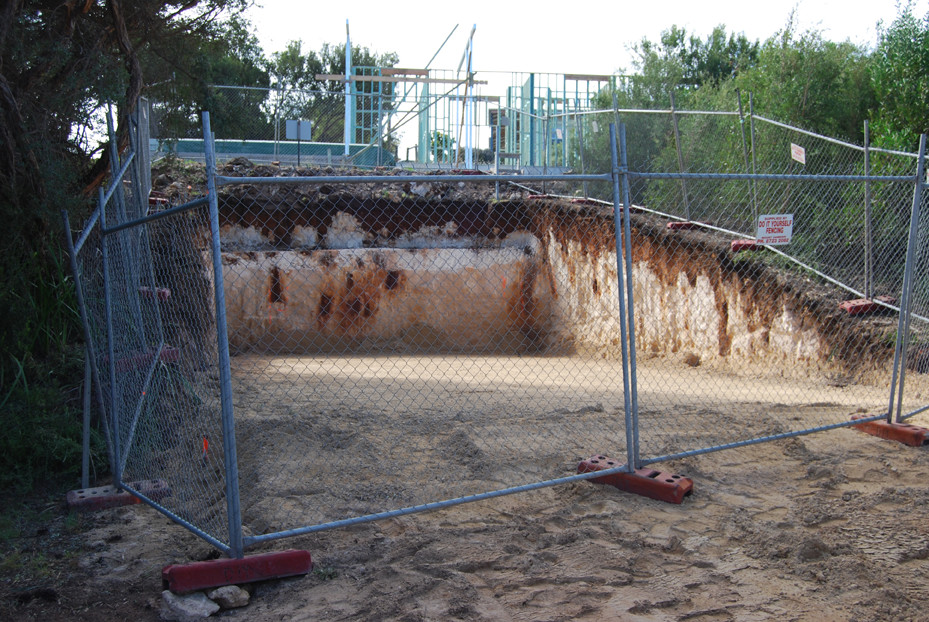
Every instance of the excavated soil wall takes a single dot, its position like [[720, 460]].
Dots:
[[340, 273]]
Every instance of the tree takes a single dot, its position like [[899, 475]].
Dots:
[[61, 62], [900, 75], [302, 95], [807, 81], [441, 146], [183, 84], [678, 62]]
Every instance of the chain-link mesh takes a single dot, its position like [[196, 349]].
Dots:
[[910, 400], [849, 231], [89, 283], [399, 343], [165, 372], [146, 287], [780, 355]]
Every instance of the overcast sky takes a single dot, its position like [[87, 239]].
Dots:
[[591, 36]]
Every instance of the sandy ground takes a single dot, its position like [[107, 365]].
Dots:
[[830, 526]]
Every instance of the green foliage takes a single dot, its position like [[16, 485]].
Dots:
[[807, 81], [42, 429], [40, 386], [326, 573], [901, 80], [682, 63], [230, 55], [61, 63], [301, 95]]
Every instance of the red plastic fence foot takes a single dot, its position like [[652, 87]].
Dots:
[[644, 482], [184, 578], [737, 246], [105, 497], [860, 306], [905, 433]]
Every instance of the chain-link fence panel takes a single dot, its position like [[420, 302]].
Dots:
[[849, 231], [163, 369], [396, 343], [87, 267], [145, 286], [179, 436], [772, 351], [910, 390]]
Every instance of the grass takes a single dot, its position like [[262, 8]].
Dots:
[[37, 535], [41, 377], [325, 573]]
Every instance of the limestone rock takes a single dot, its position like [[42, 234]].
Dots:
[[229, 596], [186, 607]]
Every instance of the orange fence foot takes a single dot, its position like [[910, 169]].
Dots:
[[644, 482], [905, 433], [861, 306]]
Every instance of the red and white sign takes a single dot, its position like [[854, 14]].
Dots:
[[775, 229], [798, 153]]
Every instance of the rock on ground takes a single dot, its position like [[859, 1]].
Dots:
[[186, 607], [229, 596]]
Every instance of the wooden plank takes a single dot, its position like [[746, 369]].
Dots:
[[398, 71], [587, 77], [340, 78]]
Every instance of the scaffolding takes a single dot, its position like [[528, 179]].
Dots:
[[536, 123]]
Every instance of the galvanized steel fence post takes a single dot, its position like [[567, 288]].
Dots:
[[233, 506], [627, 317], [903, 325], [868, 233], [680, 158]]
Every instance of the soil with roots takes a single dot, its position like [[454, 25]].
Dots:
[[830, 526]]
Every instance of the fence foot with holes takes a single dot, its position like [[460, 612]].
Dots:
[[905, 433], [643, 482], [185, 578], [863, 306], [106, 497]]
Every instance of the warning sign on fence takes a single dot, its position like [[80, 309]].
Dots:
[[775, 229], [798, 153]]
